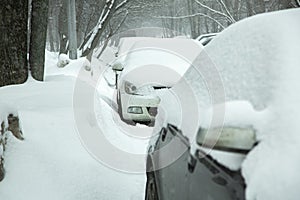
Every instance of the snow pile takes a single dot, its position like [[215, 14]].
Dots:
[[258, 62], [51, 162], [63, 60], [235, 115], [72, 67]]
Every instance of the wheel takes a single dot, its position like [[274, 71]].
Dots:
[[151, 191]]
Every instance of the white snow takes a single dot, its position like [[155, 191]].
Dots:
[[63, 60], [51, 163], [258, 62], [156, 61]]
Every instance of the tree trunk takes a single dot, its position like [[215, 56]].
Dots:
[[79, 20], [63, 28], [38, 38], [71, 11], [13, 41], [50, 34], [51, 25]]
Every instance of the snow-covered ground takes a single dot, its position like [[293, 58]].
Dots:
[[258, 63], [52, 163]]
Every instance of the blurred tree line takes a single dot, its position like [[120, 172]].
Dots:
[[186, 17], [30, 26], [23, 25]]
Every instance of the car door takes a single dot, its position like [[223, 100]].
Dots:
[[209, 180], [193, 177], [172, 180]]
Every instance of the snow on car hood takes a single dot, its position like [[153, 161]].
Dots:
[[258, 62]]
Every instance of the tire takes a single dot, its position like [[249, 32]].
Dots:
[[151, 191]]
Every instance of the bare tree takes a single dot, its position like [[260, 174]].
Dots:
[[39, 19], [13, 42], [63, 28], [93, 39], [71, 10]]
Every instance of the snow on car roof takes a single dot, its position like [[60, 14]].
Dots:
[[164, 60], [126, 44]]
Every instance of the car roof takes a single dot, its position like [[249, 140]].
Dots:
[[169, 59]]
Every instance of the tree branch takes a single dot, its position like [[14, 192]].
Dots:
[[215, 11], [94, 37], [121, 4], [111, 33], [192, 15], [226, 9]]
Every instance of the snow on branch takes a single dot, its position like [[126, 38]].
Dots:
[[111, 33], [298, 2], [192, 15], [229, 17], [87, 44], [93, 38], [121, 4]]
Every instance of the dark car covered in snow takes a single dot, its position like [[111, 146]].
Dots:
[[196, 176], [248, 157]]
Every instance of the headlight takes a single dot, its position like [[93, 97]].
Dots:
[[135, 110], [130, 88]]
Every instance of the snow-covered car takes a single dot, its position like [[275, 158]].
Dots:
[[151, 64], [254, 154], [125, 45], [197, 175]]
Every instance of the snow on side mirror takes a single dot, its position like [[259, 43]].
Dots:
[[117, 66], [232, 139]]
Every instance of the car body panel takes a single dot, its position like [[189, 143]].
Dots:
[[193, 177]]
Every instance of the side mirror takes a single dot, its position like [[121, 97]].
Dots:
[[117, 66], [232, 139]]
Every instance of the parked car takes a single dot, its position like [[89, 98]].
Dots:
[[151, 64], [196, 176], [256, 155], [126, 43]]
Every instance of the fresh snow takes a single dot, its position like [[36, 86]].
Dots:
[[258, 62], [51, 163]]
